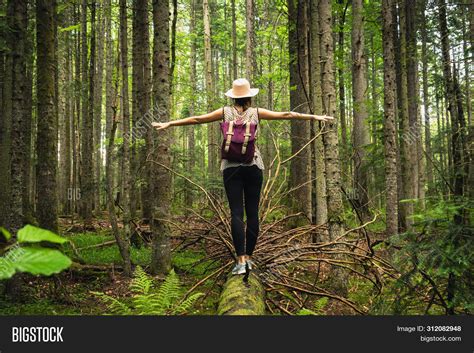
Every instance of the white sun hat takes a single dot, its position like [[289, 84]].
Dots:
[[241, 88]]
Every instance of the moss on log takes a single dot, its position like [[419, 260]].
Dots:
[[242, 298]]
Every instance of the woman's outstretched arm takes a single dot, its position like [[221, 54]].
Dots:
[[271, 115], [192, 120]]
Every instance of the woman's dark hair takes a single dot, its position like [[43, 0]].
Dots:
[[244, 102]]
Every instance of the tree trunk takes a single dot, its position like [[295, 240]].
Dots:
[[125, 122], [86, 175], [121, 239], [241, 298], [173, 43], [211, 128], [188, 198], [98, 109], [426, 100], [28, 201], [161, 246], [47, 163], [359, 96], [330, 139], [406, 153], [412, 95], [142, 66], [77, 118], [457, 123], [390, 137], [17, 38], [250, 59], [300, 169], [234, 42], [320, 215], [342, 90], [65, 123], [4, 123], [470, 132]]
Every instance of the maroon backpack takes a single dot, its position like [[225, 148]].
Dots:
[[238, 144]]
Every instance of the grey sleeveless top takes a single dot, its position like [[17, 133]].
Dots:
[[250, 114]]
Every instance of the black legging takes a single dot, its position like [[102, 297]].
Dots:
[[240, 182]]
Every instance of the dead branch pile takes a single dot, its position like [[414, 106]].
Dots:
[[294, 261]]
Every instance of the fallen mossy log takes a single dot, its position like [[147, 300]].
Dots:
[[241, 297]]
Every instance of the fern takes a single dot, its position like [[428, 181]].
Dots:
[[318, 308], [141, 282], [115, 306], [147, 300], [187, 303], [168, 292]]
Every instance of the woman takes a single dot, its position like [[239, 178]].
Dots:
[[242, 180]]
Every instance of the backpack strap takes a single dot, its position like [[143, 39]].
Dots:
[[229, 133], [247, 136]]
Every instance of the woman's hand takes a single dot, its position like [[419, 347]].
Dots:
[[160, 126], [323, 117]]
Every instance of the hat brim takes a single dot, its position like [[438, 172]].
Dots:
[[253, 92]]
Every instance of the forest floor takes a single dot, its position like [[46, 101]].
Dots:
[[71, 292]]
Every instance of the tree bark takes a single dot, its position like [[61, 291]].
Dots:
[[4, 122], [98, 108], [234, 41], [342, 90], [390, 137], [360, 114], [406, 155], [250, 59], [86, 175], [161, 245], [47, 163], [412, 96], [126, 124], [141, 79], [17, 38], [240, 298], [27, 127], [121, 239], [208, 67], [300, 168], [188, 198], [456, 114], [320, 215], [426, 100], [330, 139]]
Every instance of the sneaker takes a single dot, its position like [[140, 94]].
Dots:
[[251, 264], [238, 269]]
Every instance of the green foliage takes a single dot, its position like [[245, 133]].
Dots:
[[32, 234], [70, 28], [105, 254], [147, 300], [193, 262], [439, 247], [26, 255], [5, 233], [40, 261], [318, 307]]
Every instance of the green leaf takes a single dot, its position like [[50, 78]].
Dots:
[[32, 234], [40, 261], [5, 233], [305, 311], [6, 268], [70, 28]]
